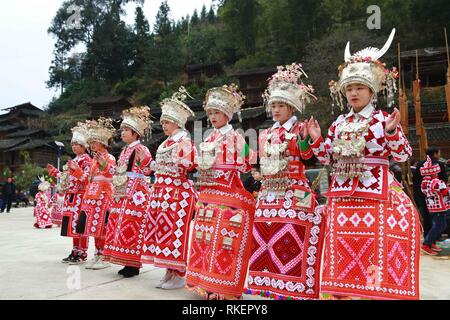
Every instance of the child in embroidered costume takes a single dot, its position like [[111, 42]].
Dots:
[[96, 205], [372, 243], [57, 206], [288, 230], [221, 240], [437, 199], [173, 196], [73, 181], [42, 208], [129, 208]]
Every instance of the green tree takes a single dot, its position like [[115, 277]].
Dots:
[[211, 17], [92, 12], [109, 54], [27, 172], [140, 42], [240, 17], [203, 14], [166, 60], [195, 19]]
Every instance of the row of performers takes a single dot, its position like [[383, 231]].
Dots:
[[364, 244]]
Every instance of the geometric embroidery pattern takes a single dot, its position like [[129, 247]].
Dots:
[[372, 248], [220, 249], [286, 250], [171, 209]]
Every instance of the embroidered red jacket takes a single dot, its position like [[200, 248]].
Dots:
[[231, 155], [100, 178], [176, 156], [379, 145], [78, 179], [436, 194], [140, 168], [295, 150]]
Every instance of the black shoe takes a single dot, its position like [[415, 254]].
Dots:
[[121, 271], [68, 259], [78, 260], [130, 272]]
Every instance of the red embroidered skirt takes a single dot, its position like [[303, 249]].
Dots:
[[372, 248], [172, 207], [95, 214], [71, 214], [287, 246], [42, 215], [126, 226], [220, 248], [57, 209]]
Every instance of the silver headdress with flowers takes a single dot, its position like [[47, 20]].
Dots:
[[100, 130], [364, 67], [227, 99], [286, 86], [80, 134], [175, 110], [137, 119]]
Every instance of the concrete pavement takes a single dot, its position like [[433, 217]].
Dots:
[[30, 268]]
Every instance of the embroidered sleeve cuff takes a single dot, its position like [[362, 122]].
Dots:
[[78, 174], [146, 161], [392, 135], [103, 166], [304, 144], [316, 144], [54, 172]]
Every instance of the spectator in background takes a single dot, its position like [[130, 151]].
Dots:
[[8, 193], [436, 197], [34, 188], [253, 182], [435, 154], [21, 197]]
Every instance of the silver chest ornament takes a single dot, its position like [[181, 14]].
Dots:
[[348, 149], [119, 181], [275, 159], [64, 179], [206, 158], [166, 160]]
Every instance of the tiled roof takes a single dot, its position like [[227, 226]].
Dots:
[[33, 144], [9, 143]]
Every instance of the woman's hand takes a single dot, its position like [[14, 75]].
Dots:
[[139, 155], [100, 159], [392, 121], [73, 165], [314, 130], [50, 168]]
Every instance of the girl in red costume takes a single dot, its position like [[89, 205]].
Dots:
[[221, 240]]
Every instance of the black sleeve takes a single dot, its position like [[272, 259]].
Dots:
[[248, 183], [417, 180], [310, 162], [443, 174], [131, 161]]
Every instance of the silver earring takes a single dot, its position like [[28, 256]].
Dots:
[[374, 100]]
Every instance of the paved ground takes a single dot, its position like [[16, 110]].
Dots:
[[30, 268]]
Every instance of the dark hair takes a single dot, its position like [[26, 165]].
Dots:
[[432, 150]]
